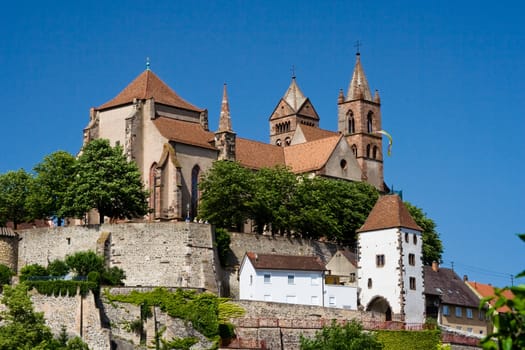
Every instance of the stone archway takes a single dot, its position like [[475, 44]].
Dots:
[[380, 306]]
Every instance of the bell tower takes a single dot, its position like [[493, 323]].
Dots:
[[359, 120]]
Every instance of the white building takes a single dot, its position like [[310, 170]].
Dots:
[[390, 271], [291, 279]]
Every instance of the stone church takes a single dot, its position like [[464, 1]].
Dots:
[[169, 139]]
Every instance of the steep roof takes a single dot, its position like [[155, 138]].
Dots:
[[148, 85], [389, 212], [184, 132], [310, 156], [487, 290], [451, 289], [294, 96], [312, 133], [285, 262], [358, 88], [225, 122], [257, 155]]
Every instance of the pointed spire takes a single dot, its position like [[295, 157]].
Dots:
[[225, 123], [358, 88], [294, 96], [377, 99], [341, 97]]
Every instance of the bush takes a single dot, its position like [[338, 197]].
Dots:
[[113, 276], [223, 239], [85, 262], [5, 275], [31, 271], [57, 268], [93, 276]]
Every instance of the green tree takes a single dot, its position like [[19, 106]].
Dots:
[[14, 191], [5, 275], [83, 263], [33, 270], [54, 176], [337, 337], [510, 325], [57, 268], [227, 189], [106, 181], [432, 245]]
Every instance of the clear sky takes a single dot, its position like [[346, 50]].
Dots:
[[450, 75]]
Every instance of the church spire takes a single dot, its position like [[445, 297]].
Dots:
[[294, 96], [358, 88], [225, 123]]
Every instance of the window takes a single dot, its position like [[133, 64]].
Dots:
[[415, 239], [251, 280], [351, 122], [315, 300], [315, 280], [331, 301], [446, 311], [469, 313], [481, 316], [369, 283], [469, 329], [354, 150], [291, 279], [267, 278], [291, 299], [267, 297], [368, 151], [411, 259], [380, 260], [369, 118], [343, 164], [406, 237], [352, 277], [458, 311], [374, 152], [412, 281]]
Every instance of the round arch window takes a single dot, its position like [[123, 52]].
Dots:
[[343, 164]]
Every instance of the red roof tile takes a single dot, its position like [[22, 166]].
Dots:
[[310, 156], [389, 212], [257, 155], [486, 290], [147, 85], [312, 133], [184, 132], [285, 262]]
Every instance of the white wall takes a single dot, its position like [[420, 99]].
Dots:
[[342, 297]]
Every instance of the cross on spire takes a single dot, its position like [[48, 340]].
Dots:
[[293, 71], [357, 45]]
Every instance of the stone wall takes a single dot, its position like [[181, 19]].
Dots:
[[152, 254], [9, 250]]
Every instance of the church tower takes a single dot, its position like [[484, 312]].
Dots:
[[390, 267], [293, 109], [225, 137], [359, 119]]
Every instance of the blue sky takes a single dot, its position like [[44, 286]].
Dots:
[[450, 76]]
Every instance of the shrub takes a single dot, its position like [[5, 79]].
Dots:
[[223, 239], [5, 275], [31, 271], [113, 276], [57, 268], [85, 262]]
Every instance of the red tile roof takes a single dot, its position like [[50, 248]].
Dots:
[[147, 85], [310, 156], [389, 212], [184, 132], [285, 262], [486, 290], [257, 155], [312, 133]]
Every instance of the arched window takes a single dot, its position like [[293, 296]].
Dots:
[[287, 141], [195, 173], [278, 142], [368, 151], [369, 119], [354, 150], [351, 122], [374, 152]]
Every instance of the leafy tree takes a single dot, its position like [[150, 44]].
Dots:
[[223, 240], [84, 262], [5, 275], [33, 270], [54, 176], [510, 325], [106, 181], [14, 191], [227, 188], [112, 276], [337, 337], [57, 268], [432, 245]]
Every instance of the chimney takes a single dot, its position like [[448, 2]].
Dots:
[[435, 266], [465, 278]]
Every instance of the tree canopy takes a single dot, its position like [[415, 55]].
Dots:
[[106, 181], [432, 245], [281, 202], [14, 192], [342, 337]]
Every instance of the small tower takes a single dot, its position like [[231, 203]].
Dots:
[[293, 109], [359, 119], [225, 137], [390, 266]]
